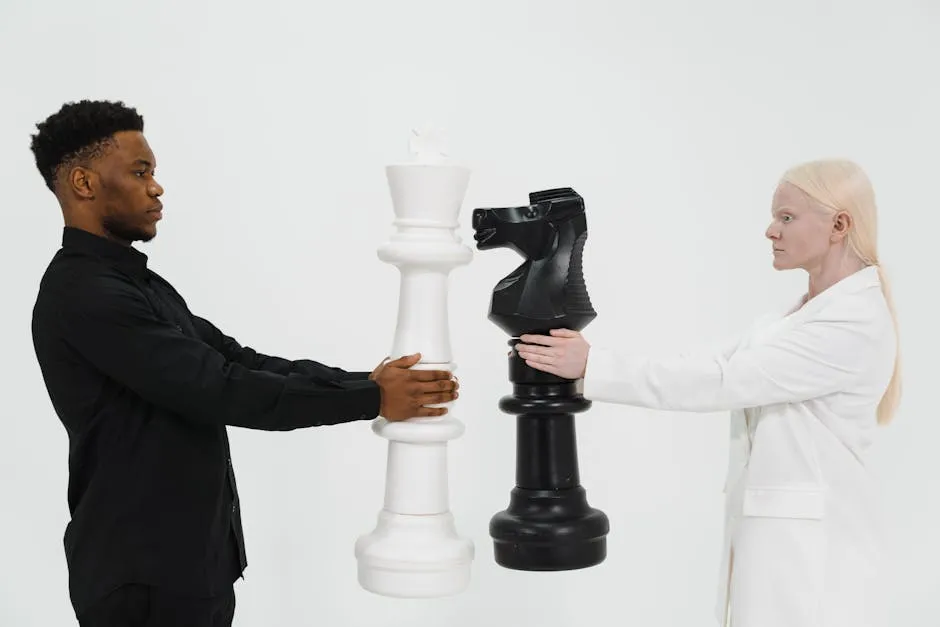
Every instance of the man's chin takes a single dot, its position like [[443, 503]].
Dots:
[[128, 233], [144, 232], [141, 236], [130, 236]]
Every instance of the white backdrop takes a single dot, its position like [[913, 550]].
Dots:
[[272, 124]]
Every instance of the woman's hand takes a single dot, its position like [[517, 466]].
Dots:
[[564, 353]]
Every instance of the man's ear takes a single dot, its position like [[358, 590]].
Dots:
[[841, 225], [82, 182]]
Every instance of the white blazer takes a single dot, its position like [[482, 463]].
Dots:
[[801, 546]]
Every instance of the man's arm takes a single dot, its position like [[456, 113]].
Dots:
[[250, 358], [109, 322]]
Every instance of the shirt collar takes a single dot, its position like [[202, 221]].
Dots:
[[857, 281], [127, 258]]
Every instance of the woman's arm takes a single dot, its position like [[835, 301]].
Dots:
[[812, 358], [808, 360]]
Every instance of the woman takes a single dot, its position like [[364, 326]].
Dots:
[[806, 390]]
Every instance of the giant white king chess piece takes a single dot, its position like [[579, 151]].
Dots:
[[414, 550]]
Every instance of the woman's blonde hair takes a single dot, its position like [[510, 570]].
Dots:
[[841, 185]]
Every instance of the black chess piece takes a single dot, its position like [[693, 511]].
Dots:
[[548, 524]]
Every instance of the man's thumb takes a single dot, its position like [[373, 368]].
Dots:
[[408, 360]]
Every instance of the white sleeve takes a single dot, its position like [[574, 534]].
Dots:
[[808, 360]]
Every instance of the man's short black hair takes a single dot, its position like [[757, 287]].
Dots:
[[78, 132]]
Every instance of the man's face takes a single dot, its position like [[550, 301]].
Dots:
[[127, 195]]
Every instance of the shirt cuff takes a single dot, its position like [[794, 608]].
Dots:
[[600, 381]]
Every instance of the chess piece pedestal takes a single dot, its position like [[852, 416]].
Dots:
[[415, 550], [548, 524]]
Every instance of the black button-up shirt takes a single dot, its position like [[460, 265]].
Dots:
[[145, 389]]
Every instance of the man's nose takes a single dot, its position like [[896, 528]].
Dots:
[[771, 232], [156, 189]]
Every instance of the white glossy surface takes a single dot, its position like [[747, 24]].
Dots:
[[415, 550]]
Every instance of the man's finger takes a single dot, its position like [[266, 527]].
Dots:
[[431, 411], [430, 375], [431, 387], [437, 398], [406, 359]]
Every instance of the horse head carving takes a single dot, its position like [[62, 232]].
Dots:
[[547, 291]]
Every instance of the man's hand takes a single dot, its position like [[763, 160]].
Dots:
[[564, 353], [378, 369], [405, 392]]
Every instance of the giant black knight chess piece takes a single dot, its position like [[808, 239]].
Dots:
[[548, 524]]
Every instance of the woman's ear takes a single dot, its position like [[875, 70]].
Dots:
[[841, 224]]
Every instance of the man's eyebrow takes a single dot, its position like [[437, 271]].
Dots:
[[143, 161]]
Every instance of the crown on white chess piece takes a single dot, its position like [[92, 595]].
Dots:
[[428, 144]]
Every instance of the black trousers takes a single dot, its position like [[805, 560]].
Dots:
[[137, 605]]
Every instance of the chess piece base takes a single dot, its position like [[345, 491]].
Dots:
[[414, 557], [549, 530]]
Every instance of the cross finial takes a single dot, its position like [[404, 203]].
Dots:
[[428, 144]]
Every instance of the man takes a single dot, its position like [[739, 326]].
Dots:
[[145, 390]]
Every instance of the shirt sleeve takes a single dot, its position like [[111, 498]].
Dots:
[[811, 359], [109, 321], [250, 358]]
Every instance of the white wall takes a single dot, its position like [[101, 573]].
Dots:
[[272, 125]]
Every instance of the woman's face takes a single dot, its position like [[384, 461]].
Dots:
[[801, 235]]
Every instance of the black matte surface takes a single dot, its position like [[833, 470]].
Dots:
[[548, 524]]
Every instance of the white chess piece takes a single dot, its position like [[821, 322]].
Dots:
[[414, 550]]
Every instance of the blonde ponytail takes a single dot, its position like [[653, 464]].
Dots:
[[841, 185], [892, 396]]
